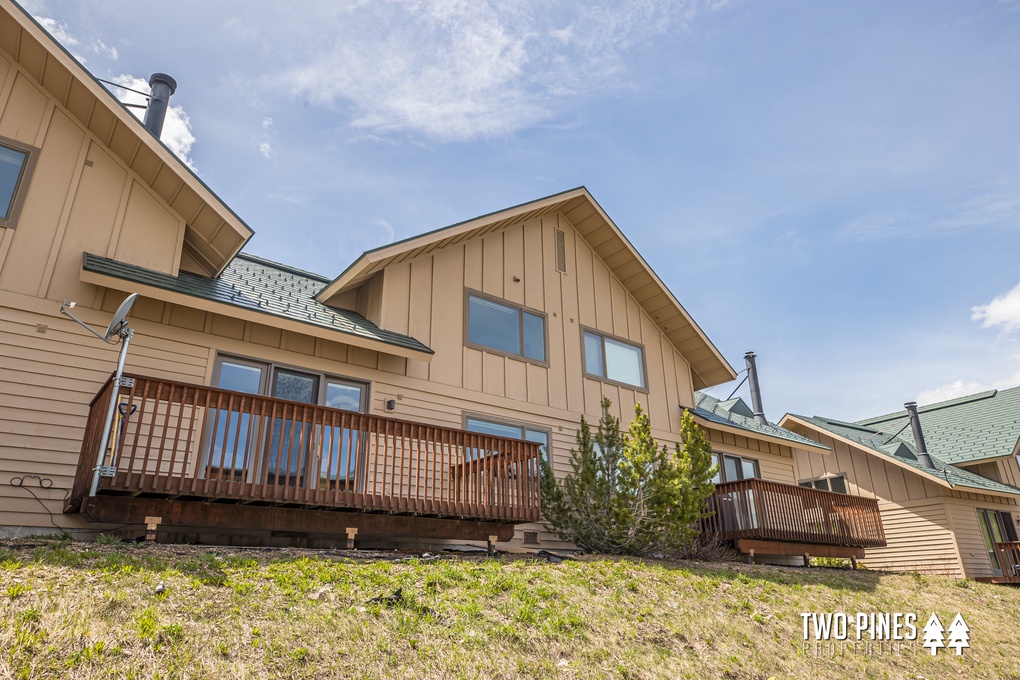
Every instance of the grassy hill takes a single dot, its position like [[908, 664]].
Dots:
[[85, 610]]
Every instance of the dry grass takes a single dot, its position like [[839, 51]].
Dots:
[[74, 610]]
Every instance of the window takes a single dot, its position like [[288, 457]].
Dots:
[[505, 328], [997, 527], [614, 360], [508, 430], [835, 484], [734, 468], [280, 450], [16, 164]]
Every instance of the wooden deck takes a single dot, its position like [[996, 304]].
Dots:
[[754, 510], [192, 443]]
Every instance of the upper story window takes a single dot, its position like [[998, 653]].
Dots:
[[614, 360], [734, 468], [836, 484], [16, 162], [505, 328]]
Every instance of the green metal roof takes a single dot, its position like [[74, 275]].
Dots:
[[964, 430], [731, 412], [898, 447], [260, 285]]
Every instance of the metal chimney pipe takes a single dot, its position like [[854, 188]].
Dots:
[[915, 426], [162, 87], [752, 382]]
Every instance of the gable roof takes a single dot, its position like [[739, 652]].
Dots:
[[895, 448], [605, 238], [258, 287], [964, 430], [730, 413], [213, 232]]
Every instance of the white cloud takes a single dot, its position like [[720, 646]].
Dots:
[[264, 146], [1004, 311], [61, 34], [997, 207], [957, 388], [99, 47], [387, 229], [459, 70], [177, 133]]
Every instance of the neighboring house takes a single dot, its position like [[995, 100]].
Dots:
[[755, 503], [959, 517], [408, 398]]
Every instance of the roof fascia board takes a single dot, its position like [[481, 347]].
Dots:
[[382, 252], [733, 429], [253, 316]]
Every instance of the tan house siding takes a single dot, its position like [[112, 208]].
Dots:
[[920, 538]]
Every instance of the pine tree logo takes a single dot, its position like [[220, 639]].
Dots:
[[933, 634], [959, 635]]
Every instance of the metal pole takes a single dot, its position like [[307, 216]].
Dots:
[[126, 340]]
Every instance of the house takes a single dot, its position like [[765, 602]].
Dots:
[[953, 511], [408, 398]]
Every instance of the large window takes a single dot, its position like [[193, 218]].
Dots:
[[281, 450], [836, 484], [614, 360], [997, 527], [16, 162], [509, 430], [505, 328]]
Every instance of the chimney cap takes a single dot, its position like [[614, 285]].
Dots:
[[163, 78]]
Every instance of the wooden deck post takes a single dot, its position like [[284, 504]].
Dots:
[[151, 523], [492, 545], [807, 560], [750, 556], [853, 563], [351, 533]]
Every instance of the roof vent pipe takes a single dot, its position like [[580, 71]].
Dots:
[[162, 87], [915, 426], [752, 382]]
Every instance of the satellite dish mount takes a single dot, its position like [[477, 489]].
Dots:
[[118, 329]]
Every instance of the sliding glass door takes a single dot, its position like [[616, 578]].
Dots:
[[290, 436]]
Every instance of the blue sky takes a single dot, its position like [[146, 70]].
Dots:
[[833, 185]]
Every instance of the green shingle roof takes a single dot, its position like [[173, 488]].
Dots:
[[260, 285], [964, 430], [731, 412], [900, 448]]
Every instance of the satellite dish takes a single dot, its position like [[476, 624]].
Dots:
[[119, 320]]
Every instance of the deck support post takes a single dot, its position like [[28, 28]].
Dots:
[[807, 560], [351, 533], [151, 524], [492, 545], [853, 563], [750, 556]]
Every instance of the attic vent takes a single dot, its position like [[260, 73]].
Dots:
[[561, 252], [531, 537]]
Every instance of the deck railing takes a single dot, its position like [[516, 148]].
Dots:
[[757, 509], [178, 440], [1009, 560]]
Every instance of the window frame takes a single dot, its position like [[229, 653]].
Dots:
[[722, 466], [623, 341], [468, 292], [269, 378], [810, 483], [24, 179], [496, 420]]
